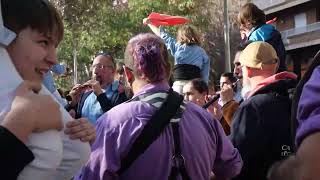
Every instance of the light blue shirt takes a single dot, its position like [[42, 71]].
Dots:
[[91, 108], [187, 54]]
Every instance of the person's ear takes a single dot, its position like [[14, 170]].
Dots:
[[114, 71], [250, 71], [143, 77], [206, 97]]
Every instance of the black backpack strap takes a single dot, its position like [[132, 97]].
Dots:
[[178, 159], [153, 128], [297, 94]]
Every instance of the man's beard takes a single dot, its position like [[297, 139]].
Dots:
[[238, 75], [246, 88]]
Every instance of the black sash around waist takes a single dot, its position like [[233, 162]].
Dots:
[[186, 72]]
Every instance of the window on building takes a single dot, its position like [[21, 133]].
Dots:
[[300, 20]]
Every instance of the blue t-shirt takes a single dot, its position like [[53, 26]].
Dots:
[[187, 54], [91, 108]]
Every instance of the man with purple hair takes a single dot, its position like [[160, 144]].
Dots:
[[204, 146]]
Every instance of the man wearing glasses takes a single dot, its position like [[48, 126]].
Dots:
[[99, 94]]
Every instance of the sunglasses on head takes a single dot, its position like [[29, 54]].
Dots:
[[105, 54]]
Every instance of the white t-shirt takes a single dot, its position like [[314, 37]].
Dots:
[[56, 156]]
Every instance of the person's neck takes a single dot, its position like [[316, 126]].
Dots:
[[138, 84], [254, 81]]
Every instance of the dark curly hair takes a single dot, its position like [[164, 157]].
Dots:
[[200, 85]]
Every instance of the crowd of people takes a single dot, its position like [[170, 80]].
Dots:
[[143, 119]]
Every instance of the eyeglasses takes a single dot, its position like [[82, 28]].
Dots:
[[101, 66]]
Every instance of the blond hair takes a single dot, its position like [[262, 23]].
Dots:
[[187, 34]]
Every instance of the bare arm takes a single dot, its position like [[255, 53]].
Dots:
[[153, 28], [304, 165], [29, 113], [308, 157], [12, 123]]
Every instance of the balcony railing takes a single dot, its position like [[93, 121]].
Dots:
[[300, 30]]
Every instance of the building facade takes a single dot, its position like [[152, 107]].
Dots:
[[299, 24]]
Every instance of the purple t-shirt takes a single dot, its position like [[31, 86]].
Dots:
[[309, 108], [203, 144]]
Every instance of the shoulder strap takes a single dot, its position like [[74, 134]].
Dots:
[[152, 129], [297, 94], [178, 158]]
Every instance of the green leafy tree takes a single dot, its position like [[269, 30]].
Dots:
[[94, 25]]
